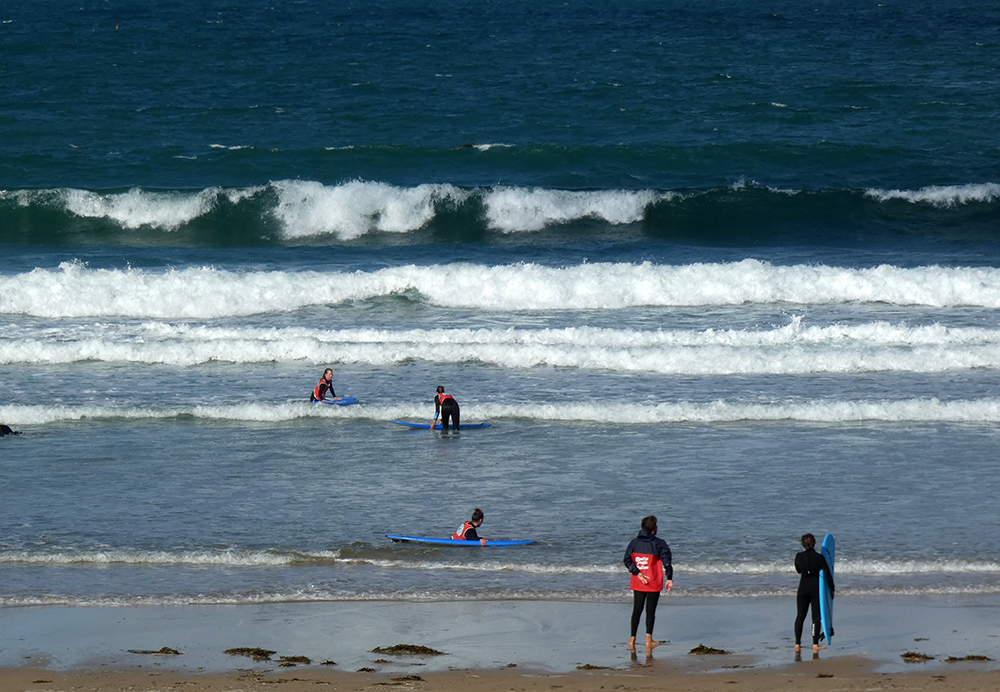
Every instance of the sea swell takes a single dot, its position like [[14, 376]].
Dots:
[[76, 291], [306, 212]]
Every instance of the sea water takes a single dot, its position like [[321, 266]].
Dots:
[[732, 264]]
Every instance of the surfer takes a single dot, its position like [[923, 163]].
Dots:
[[648, 559], [445, 405], [324, 387], [808, 563], [467, 531]]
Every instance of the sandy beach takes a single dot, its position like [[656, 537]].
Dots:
[[498, 645]]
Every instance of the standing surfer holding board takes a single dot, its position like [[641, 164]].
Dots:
[[447, 407], [808, 563], [647, 558]]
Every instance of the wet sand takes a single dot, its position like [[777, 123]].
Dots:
[[499, 645]]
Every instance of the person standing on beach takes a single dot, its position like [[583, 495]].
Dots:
[[808, 563], [324, 387], [445, 405], [647, 558], [467, 531]]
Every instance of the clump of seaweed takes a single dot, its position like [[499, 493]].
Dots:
[[255, 653], [165, 651], [702, 650], [914, 657], [289, 661], [590, 666], [366, 670], [970, 657], [328, 663], [407, 650], [408, 678]]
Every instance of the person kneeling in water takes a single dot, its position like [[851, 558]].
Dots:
[[467, 531], [324, 387]]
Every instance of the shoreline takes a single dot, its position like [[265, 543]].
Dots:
[[547, 637], [851, 673]]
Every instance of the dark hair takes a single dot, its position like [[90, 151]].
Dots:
[[808, 541], [439, 389], [649, 524], [477, 514]]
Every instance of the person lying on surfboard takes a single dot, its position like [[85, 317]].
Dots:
[[324, 387], [445, 405], [808, 563], [467, 531]]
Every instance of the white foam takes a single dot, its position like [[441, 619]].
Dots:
[[789, 349], [510, 209], [203, 292], [978, 411], [307, 208], [137, 207], [227, 558], [942, 195]]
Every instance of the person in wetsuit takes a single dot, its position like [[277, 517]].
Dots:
[[324, 387], [467, 531], [647, 558], [447, 407], [808, 563]]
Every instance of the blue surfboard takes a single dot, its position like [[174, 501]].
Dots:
[[452, 541], [827, 550], [339, 401], [437, 426]]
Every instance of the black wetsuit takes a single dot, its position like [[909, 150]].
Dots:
[[808, 563], [321, 390], [449, 409]]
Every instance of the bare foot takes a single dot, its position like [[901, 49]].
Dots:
[[798, 647], [650, 644], [631, 644], [817, 647]]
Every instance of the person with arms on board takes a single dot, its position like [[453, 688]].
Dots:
[[324, 387], [447, 407], [808, 563], [467, 531], [647, 558]]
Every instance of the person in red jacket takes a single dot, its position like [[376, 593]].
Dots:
[[324, 387], [647, 558], [467, 531], [447, 406]]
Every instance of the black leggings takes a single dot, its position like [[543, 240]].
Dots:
[[649, 599], [805, 599], [449, 412]]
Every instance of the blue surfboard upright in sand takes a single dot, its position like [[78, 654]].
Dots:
[[827, 550], [454, 541]]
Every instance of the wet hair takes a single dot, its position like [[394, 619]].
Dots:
[[439, 389], [477, 514], [808, 541], [328, 370], [649, 524]]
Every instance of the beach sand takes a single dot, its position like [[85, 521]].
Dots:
[[499, 645]]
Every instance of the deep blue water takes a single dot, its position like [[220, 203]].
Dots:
[[736, 265]]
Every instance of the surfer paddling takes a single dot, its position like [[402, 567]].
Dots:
[[467, 531], [808, 563], [447, 407], [647, 558], [324, 387]]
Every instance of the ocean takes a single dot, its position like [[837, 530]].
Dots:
[[735, 264]]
